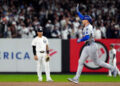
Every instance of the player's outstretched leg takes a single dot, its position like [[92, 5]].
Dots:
[[82, 59], [75, 79], [105, 65], [94, 56], [97, 61]]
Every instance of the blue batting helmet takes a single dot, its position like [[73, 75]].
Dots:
[[86, 17]]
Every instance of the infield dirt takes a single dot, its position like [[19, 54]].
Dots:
[[59, 84]]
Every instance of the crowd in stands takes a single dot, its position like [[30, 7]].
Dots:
[[58, 18]]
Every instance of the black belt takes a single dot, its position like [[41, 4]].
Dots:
[[42, 51]]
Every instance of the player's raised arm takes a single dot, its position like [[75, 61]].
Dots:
[[78, 12]]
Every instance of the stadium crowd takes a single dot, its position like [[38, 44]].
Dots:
[[58, 18]]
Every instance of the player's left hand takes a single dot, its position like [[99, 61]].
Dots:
[[78, 40], [77, 8], [47, 58]]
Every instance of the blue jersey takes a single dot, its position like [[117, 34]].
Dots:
[[88, 30], [88, 33]]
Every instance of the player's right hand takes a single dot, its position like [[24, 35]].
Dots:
[[35, 57]]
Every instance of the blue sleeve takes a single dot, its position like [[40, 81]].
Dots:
[[86, 37], [80, 15]]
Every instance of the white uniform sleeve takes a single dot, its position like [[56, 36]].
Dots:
[[47, 42], [114, 51], [34, 42]]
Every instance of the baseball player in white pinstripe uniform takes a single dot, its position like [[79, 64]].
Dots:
[[41, 54], [112, 60]]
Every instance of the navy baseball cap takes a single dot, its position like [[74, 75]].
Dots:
[[40, 30], [86, 17], [111, 45]]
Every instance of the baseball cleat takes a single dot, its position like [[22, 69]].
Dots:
[[118, 73], [115, 72], [39, 80], [73, 80], [109, 75]]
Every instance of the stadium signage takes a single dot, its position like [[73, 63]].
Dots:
[[104, 48], [12, 55], [102, 55], [16, 55]]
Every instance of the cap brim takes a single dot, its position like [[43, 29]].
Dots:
[[39, 31]]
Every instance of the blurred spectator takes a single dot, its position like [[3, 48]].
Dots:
[[48, 29], [103, 30], [1, 30], [31, 31], [63, 22], [76, 24], [73, 34], [98, 34], [79, 31], [13, 31], [5, 27], [55, 33], [65, 32], [109, 32], [25, 31], [116, 31], [54, 15]]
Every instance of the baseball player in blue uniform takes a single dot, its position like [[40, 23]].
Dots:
[[90, 49]]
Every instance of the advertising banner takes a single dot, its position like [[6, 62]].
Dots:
[[103, 49], [16, 55]]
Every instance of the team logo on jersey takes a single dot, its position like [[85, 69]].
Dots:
[[102, 55], [44, 41], [86, 32]]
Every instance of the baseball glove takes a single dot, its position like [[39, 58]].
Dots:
[[47, 58]]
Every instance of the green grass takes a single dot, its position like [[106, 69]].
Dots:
[[56, 78]]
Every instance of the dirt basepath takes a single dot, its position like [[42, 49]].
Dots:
[[59, 84]]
